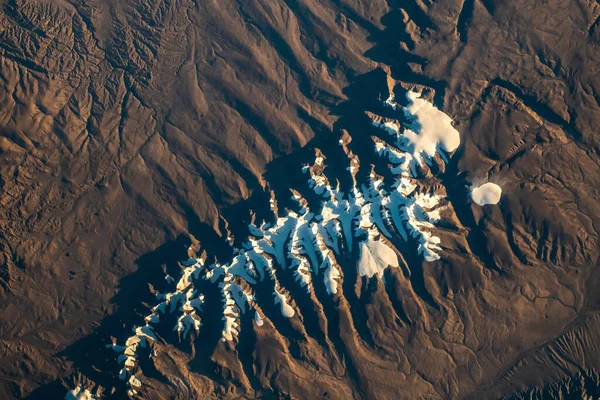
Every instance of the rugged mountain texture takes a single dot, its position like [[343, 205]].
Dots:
[[583, 385], [137, 134]]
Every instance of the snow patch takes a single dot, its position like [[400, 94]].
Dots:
[[286, 309], [488, 193], [430, 127], [258, 319], [80, 393], [330, 279], [374, 258]]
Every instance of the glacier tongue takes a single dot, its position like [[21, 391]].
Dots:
[[375, 257]]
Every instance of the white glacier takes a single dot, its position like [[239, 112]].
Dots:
[[375, 257], [430, 128], [286, 310]]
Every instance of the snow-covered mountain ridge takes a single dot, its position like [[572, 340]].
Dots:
[[371, 221]]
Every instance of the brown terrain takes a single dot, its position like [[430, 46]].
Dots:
[[134, 134]]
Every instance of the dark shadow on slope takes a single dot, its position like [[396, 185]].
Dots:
[[54, 390], [210, 240], [584, 384], [458, 196], [464, 20], [89, 354], [387, 49]]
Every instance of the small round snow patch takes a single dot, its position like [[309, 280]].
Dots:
[[488, 193]]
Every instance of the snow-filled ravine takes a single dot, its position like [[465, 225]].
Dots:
[[363, 221]]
